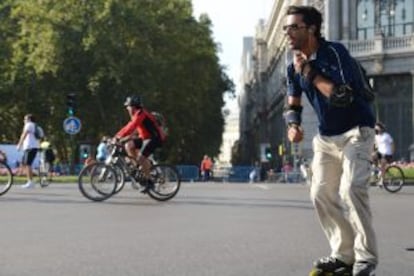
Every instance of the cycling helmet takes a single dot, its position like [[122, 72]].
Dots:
[[133, 101]]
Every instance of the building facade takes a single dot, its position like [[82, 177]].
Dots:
[[379, 33], [230, 136]]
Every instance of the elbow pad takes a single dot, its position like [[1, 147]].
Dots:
[[293, 115], [342, 96]]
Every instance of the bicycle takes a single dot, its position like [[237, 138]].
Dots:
[[6, 178], [392, 180], [100, 181]]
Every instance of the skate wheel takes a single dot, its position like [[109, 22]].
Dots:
[[318, 272], [315, 272]]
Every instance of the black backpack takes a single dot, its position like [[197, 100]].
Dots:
[[39, 133], [367, 90]]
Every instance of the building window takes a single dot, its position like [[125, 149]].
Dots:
[[385, 17]]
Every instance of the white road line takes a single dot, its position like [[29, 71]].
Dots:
[[262, 186]]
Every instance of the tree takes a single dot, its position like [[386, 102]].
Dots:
[[102, 51]]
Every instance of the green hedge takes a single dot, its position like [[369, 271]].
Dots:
[[56, 179], [409, 173]]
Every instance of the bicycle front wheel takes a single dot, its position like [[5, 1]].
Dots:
[[164, 182], [97, 181], [120, 178], [394, 179], [6, 178]]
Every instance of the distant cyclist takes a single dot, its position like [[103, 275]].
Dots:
[[384, 146], [102, 149], [150, 134], [47, 158]]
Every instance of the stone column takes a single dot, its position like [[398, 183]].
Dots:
[[411, 148], [332, 19], [345, 19]]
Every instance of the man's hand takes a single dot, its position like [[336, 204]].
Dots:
[[299, 62], [295, 133]]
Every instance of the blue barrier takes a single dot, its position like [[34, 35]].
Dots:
[[239, 173], [192, 173], [188, 172]]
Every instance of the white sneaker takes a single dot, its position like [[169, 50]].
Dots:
[[28, 185]]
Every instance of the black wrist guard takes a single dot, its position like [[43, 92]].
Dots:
[[342, 96], [293, 115]]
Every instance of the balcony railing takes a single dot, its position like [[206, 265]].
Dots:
[[399, 42], [381, 45], [358, 46]]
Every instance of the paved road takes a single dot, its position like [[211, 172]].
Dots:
[[208, 229]]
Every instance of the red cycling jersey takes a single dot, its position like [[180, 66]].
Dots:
[[145, 124]]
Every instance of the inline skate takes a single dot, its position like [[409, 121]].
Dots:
[[330, 266]]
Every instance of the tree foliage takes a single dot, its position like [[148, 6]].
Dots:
[[104, 50]]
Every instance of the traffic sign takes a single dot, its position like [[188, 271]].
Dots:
[[72, 125]]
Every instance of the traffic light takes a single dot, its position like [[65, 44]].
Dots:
[[84, 152], [268, 153], [70, 103]]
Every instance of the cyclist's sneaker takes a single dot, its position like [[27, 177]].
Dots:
[[331, 266], [147, 183], [364, 269], [28, 185], [381, 182]]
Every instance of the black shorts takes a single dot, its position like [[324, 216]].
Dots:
[[147, 147], [384, 156], [28, 156]]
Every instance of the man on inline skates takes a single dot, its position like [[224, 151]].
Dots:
[[328, 75], [150, 134]]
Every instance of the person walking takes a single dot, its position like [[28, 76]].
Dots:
[[3, 156], [205, 167], [328, 75], [29, 144]]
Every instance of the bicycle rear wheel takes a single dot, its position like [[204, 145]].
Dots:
[[6, 178], [97, 181], [164, 182], [394, 179]]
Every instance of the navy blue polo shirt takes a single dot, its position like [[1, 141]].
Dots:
[[334, 62]]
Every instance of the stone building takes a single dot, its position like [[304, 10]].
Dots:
[[379, 33]]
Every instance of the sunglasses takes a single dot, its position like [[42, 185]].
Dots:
[[292, 27]]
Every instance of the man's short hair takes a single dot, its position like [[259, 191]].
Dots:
[[310, 16], [380, 125], [30, 117]]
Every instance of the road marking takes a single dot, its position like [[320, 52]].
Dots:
[[262, 186]]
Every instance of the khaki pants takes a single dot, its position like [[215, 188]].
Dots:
[[339, 192]]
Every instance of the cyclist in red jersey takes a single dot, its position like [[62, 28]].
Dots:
[[150, 135]]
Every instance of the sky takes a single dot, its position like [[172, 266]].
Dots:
[[232, 20]]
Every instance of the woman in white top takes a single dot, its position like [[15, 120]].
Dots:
[[29, 144], [384, 145]]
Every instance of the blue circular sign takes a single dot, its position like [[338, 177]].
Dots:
[[72, 125]]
